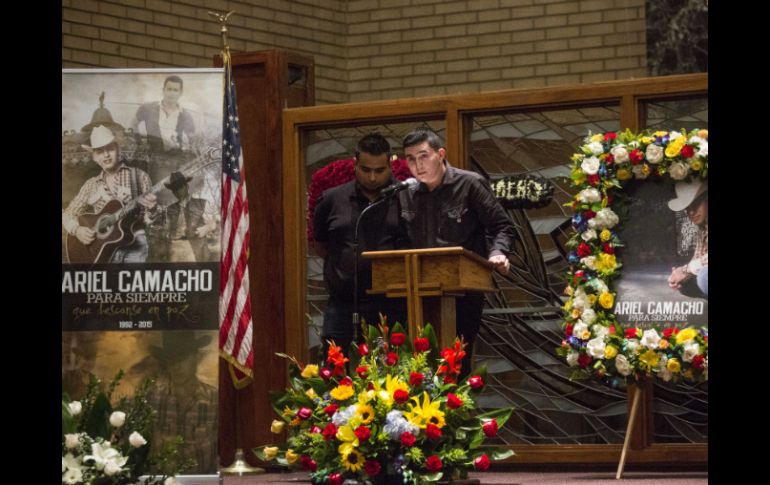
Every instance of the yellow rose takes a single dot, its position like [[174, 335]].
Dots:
[[623, 174], [649, 358], [703, 134], [585, 334], [277, 426], [696, 164], [645, 170], [270, 452], [663, 344], [605, 235], [310, 370], [606, 262], [291, 457], [685, 335], [576, 313], [606, 300], [568, 305], [673, 365], [610, 352], [592, 299], [675, 147]]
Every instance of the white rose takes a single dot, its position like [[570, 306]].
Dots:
[[111, 468], [588, 316], [621, 363], [691, 349], [665, 374], [620, 154], [578, 329], [650, 339], [572, 359], [596, 347], [75, 407], [117, 418], [596, 147], [136, 440], [639, 172], [589, 262], [599, 285], [678, 170], [703, 149], [600, 330], [589, 195], [604, 219], [654, 153], [170, 481], [71, 440], [588, 235], [673, 135], [590, 165], [580, 300]]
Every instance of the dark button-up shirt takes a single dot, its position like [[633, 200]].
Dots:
[[462, 211], [334, 223]]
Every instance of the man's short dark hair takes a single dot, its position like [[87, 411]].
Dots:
[[373, 144], [174, 79], [420, 135]]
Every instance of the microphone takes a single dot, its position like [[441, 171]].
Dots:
[[397, 187]]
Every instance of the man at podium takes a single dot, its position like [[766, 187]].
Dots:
[[453, 207], [334, 221]]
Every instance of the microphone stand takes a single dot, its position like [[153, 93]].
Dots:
[[356, 319]]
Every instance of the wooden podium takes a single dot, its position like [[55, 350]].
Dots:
[[430, 280]]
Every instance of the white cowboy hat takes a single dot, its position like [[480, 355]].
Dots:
[[686, 193], [101, 136]]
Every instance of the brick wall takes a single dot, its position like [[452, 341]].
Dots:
[[375, 49]]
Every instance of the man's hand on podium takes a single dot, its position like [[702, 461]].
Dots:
[[500, 263]]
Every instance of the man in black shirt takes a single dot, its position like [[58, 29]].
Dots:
[[334, 223], [453, 207]]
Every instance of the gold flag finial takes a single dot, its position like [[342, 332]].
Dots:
[[222, 17]]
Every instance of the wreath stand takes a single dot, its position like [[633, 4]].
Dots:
[[639, 390]]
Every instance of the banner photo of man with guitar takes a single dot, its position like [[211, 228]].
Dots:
[[141, 228]]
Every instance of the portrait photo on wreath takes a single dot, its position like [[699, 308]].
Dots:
[[665, 254]]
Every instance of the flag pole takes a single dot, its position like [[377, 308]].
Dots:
[[239, 466]]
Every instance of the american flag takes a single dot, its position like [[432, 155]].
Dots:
[[236, 326]]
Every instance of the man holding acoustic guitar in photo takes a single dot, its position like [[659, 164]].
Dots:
[[105, 221]]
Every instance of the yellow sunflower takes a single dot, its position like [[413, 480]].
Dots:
[[366, 412], [340, 393], [352, 460], [428, 413]]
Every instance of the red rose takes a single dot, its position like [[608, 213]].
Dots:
[[415, 378], [589, 214], [631, 332], [400, 396], [636, 156], [568, 330], [594, 179], [433, 463], [335, 479], [363, 433], [308, 463], [331, 409], [361, 370], [449, 379], [607, 247], [329, 432], [490, 428], [453, 401], [481, 463], [584, 360], [370, 386], [609, 160], [397, 339], [391, 358], [407, 439], [697, 361], [372, 467], [687, 151], [476, 382], [433, 432], [347, 381], [314, 430], [612, 329], [325, 373], [583, 250], [610, 136], [363, 349], [304, 413], [668, 332], [421, 344]]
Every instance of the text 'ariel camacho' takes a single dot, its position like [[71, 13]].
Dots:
[[146, 281]]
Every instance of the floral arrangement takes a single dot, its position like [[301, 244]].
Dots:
[[400, 417], [523, 191], [338, 173], [594, 342], [102, 445]]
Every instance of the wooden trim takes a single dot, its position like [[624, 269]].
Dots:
[[679, 453]]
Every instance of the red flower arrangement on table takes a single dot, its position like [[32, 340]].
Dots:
[[338, 173]]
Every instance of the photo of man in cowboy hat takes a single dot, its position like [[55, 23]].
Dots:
[[691, 279], [116, 181]]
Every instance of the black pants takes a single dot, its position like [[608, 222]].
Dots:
[[468, 311]]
